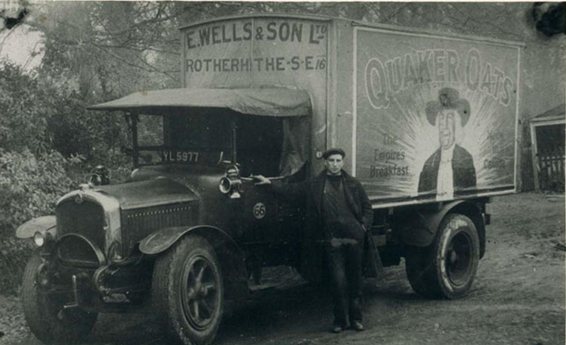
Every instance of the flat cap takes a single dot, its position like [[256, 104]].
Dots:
[[333, 151]]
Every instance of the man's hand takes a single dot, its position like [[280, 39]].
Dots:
[[260, 180]]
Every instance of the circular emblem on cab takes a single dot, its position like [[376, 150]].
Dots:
[[259, 210]]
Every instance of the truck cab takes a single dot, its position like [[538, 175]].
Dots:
[[189, 215]]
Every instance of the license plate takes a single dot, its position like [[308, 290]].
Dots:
[[173, 156]]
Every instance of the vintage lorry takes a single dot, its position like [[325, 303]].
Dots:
[[428, 122]]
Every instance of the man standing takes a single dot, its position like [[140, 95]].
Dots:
[[338, 213], [451, 168]]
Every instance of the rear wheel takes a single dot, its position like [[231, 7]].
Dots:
[[447, 268], [188, 290], [44, 313]]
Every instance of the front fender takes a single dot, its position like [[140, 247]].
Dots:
[[40, 224], [230, 254], [162, 239]]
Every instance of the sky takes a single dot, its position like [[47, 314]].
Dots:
[[19, 45]]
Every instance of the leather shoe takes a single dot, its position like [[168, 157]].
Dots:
[[337, 329], [357, 326]]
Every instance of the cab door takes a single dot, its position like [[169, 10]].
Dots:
[[272, 225], [269, 146]]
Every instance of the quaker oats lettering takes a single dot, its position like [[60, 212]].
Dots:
[[386, 159], [385, 78], [495, 135], [389, 170], [389, 139], [387, 156], [494, 163]]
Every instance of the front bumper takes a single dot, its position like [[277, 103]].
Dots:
[[90, 281]]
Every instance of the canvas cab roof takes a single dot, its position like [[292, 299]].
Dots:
[[276, 102]]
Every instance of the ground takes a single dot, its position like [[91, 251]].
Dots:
[[518, 297]]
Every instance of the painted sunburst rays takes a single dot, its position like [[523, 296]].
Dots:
[[408, 139]]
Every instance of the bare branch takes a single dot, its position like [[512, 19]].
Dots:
[[7, 35], [395, 13], [156, 69], [154, 20], [127, 62], [479, 22]]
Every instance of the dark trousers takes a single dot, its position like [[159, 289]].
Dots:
[[345, 266]]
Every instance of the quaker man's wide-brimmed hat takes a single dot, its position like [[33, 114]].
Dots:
[[448, 98]]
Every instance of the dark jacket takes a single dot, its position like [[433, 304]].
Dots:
[[463, 171], [314, 235]]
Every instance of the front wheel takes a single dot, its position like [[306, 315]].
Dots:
[[188, 290], [447, 268], [44, 313]]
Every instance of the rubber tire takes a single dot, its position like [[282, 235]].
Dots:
[[41, 312], [168, 285], [427, 268]]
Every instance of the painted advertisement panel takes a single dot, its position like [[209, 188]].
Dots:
[[435, 117], [252, 52]]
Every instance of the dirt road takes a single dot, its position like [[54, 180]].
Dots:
[[518, 298]]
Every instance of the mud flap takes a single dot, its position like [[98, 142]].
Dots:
[[372, 265]]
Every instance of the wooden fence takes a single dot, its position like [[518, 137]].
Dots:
[[551, 170]]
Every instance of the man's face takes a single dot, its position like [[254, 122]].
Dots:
[[446, 127], [334, 164]]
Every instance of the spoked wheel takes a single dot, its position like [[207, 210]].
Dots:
[[199, 293], [458, 261], [447, 268], [188, 290], [44, 313]]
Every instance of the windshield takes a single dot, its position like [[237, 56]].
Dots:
[[271, 146], [198, 131]]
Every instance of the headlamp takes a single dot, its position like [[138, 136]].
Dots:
[[231, 183], [39, 239]]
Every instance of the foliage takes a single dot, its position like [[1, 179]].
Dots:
[[96, 138], [30, 185], [24, 106], [48, 143], [109, 48], [41, 113]]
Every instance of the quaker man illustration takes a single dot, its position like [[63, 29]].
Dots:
[[451, 167]]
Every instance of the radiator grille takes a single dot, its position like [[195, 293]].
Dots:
[[86, 219], [139, 223], [74, 251]]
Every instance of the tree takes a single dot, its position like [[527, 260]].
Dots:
[[25, 107]]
